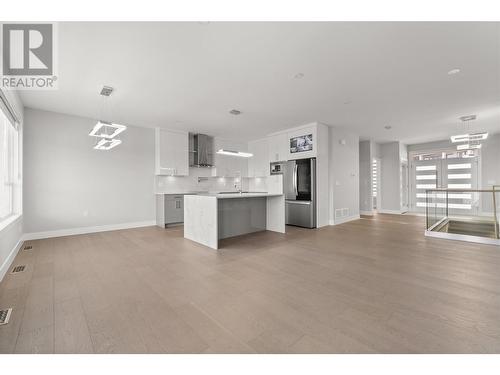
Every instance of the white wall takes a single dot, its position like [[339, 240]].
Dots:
[[390, 189], [10, 236], [344, 174], [490, 162], [70, 185], [490, 170]]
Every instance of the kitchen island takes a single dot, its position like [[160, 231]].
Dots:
[[209, 218]]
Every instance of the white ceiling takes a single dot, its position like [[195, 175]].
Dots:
[[362, 76]]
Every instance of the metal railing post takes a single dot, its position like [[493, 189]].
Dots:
[[426, 209], [495, 212], [447, 215]]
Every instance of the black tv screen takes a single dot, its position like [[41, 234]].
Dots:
[[301, 144]]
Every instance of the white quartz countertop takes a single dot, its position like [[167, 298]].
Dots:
[[237, 195], [182, 193]]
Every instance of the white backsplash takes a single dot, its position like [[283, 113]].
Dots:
[[180, 184]]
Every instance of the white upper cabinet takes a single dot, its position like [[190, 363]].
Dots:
[[278, 147], [258, 164], [171, 152], [227, 165]]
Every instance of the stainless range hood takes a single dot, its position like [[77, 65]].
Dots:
[[201, 150]]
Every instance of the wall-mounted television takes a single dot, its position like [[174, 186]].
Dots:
[[301, 144]]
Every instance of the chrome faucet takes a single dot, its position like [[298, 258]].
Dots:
[[240, 190]]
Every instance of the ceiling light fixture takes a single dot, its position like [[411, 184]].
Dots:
[[468, 146], [469, 137], [299, 75], [107, 144], [235, 112], [467, 118], [235, 153], [105, 129], [454, 71]]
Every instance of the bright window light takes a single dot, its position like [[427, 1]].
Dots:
[[107, 144], [459, 186], [460, 166], [459, 176], [106, 130], [235, 153], [426, 186], [443, 205], [460, 206], [443, 196], [426, 177], [426, 168]]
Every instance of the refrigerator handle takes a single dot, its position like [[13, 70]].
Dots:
[[295, 179]]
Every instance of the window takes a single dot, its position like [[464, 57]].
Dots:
[[9, 168]]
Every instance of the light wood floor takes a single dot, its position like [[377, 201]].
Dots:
[[371, 285]]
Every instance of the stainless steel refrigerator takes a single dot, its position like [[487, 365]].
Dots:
[[299, 179]]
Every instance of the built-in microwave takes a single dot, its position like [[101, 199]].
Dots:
[[277, 168]]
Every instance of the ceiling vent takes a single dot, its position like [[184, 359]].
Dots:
[[107, 91], [5, 315]]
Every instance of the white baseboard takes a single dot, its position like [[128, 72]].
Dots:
[[369, 213], [8, 262], [344, 219], [393, 212], [85, 230]]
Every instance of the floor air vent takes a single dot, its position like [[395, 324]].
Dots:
[[5, 316], [28, 247], [18, 269]]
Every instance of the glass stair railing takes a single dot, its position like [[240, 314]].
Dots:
[[463, 214]]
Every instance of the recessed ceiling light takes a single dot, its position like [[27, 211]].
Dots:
[[299, 75], [453, 71], [468, 118], [235, 112], [107, 90], [388, 127]]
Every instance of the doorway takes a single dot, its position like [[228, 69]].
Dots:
[[449, 169]]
